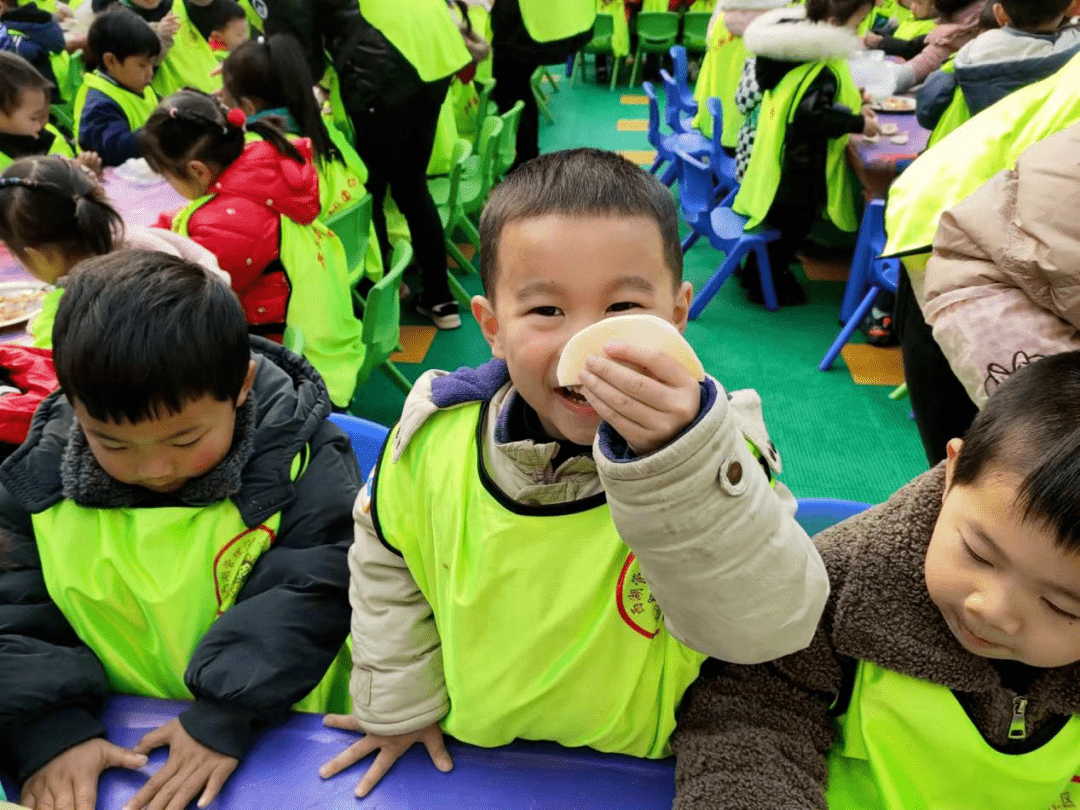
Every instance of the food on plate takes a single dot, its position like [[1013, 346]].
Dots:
[[900, 139], [635, 330], [889, 129], [20, 304], [898, 104], [871, 138]]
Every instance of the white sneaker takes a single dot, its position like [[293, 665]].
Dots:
[[444, 315]]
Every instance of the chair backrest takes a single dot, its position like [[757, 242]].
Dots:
[[367, 439], [678, 64], [723, 167], [695, 186], [507, 152], [483, 109], [818, 514], [461, 152], [602, 34], [672, 111], [382, 313], [653, 133], [658, 26], [695, 35], [353, 227]]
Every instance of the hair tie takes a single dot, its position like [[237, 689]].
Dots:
[[236, 118], [173, 112]]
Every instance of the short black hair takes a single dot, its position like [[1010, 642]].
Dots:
[[223, 12], [16, 76], [1033, 14], [137, 331], [121, 32], [583, 183], [1030, 428]]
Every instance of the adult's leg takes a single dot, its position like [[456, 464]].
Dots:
[[943, 409], [513, 84], [396, 144]]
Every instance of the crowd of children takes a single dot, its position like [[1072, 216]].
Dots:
[[612, 564]]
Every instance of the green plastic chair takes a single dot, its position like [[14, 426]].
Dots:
[[353, 227], [484, 108], [602, 45], [657, 31], [445, 193], [479, 174], [695, 36], [506, 151], [382, 318], [539, 94]]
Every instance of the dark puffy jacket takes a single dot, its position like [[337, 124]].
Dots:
[[261, 655], [509, 36], [368, 65], [36, 36], [817, 119]]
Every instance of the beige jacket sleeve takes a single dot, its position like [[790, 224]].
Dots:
[[1003, 284], [397, 681], [736, 577]]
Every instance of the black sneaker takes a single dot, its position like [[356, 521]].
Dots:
[[789, 293], [878, 328], [444, 315]]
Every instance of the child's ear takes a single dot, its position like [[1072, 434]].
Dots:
[[684, 295], [952, 453], [110, 62], [484, 313], [1000, 14], [200, 171], [249, 381]]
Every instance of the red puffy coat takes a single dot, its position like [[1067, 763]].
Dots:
[[31, 371], [241, 226]]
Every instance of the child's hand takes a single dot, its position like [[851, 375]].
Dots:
[[872, 40], [91, 160], [389, 748], [70, 780], [644, 394], [871, 126], [191, 770], [169, 25]]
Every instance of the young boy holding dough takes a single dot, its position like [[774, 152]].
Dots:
[[538, 562]]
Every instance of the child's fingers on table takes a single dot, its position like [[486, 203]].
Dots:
[[216, 782], [149, 792], [386, 758], [350, 756], [436, 748], [346, 722], [151, 740]]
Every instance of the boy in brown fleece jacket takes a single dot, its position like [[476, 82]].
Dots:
[[944, 673]]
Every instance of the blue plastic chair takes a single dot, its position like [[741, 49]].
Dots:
[[817, 514], [722, 164], [687, 103], [674, 112], [367, 439], [725, 230], [869, 276], [691, 143]]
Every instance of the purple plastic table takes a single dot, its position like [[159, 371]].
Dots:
[[875, 163], [138, 205], [281, 770]]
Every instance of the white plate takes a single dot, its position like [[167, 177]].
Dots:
[[900, 104], [15, 287]]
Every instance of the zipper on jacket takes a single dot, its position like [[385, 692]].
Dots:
[[1018, 726]]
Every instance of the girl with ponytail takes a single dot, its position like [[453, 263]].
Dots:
[[270, 77], [54, 214], [255, 206]]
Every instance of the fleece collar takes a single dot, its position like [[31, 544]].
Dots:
[[84, 481], [884, 614], [786, 35]]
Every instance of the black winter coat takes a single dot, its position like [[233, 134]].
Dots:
[[260, 656]]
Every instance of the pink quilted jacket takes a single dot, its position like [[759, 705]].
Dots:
[[1003, 285]]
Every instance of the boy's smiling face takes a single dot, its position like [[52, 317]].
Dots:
[[558, 274], [1005, 587], [164, 453]]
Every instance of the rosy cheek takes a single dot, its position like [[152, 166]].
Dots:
[[206, 459]]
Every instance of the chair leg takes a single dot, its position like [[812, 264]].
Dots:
[[576, 66], [569, 65], [541, 102], [768, 289], [849, 327], [550, 80], [461, 295], [689, 241], [399, 379], [656, 164], [713, 285], [464, 265], [670, 174], [473, 235], [634, 69], [616, 61]]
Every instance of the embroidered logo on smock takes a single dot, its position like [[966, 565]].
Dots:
[[234, 562], [635, 601]]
